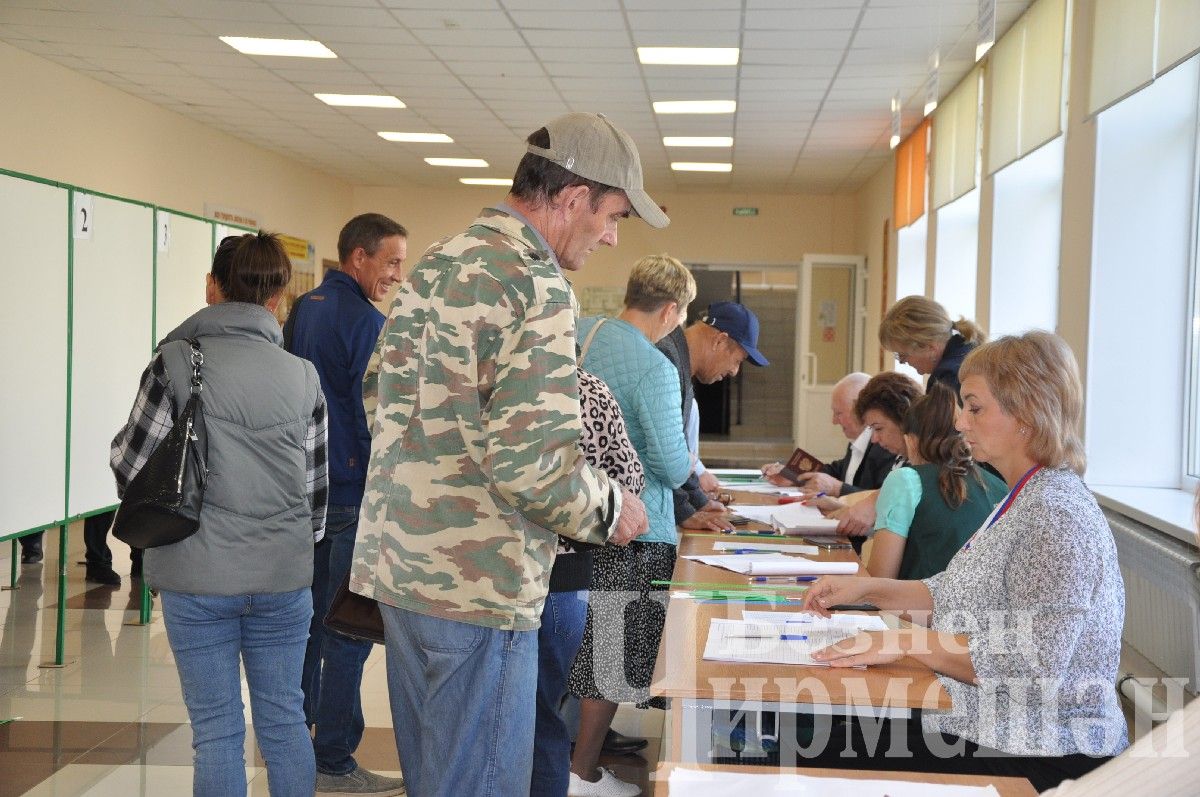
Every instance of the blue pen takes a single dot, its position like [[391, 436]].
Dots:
[[767, 579], [794, 637], [751, 532]]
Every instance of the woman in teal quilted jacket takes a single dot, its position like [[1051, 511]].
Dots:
[[625, 611]]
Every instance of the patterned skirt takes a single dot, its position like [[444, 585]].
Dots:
[[624, 624]]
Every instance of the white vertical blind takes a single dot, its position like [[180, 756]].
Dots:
[[1122, 49], [1178, 32], [956, 141], [1004, 100], [1025, 92], [1041, 75]]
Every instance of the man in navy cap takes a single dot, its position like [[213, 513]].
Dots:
[[719, 343]]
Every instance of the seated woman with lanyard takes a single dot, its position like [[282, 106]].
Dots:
[[926, 511], [1026, 618]]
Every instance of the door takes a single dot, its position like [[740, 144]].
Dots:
[[830, 326]]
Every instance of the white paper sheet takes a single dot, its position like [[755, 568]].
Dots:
[[775, 564], [762, 514], [859, 622], [770, 643], [696, 783], [781, 547], [765, 488]]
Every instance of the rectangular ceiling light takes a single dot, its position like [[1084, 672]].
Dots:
[[472, 163], [417, 138], [685, 166], [697, 141], [695, 106], [361, 100], [689, 56], [297, 48], [485, 180]]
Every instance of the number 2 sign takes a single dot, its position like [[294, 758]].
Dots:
[[82, 220]]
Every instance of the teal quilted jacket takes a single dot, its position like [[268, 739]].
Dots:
[[646, 385]]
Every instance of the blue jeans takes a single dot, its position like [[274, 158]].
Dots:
[[563, 619], [208, 634], [333, 664], [462, 704]]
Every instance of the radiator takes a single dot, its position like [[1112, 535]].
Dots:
[[1162, 597]]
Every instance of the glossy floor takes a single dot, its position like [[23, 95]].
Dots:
[[112, 721]]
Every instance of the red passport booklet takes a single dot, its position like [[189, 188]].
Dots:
[[800, 462]]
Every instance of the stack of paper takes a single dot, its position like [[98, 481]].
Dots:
[[798, 518], [859, 622], [775, 564], [698, 783]]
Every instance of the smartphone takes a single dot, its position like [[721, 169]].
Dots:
[[828, 543], [738, 520]]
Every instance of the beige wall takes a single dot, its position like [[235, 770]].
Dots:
[[703, 228], [873, 212], [64, 126]]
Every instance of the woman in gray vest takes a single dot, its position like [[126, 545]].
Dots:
[[238, 590], [927, 510]]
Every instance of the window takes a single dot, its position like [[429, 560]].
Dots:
[[1026, 238], [1142, 294], [957, 263]]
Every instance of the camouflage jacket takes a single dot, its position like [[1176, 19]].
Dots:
[[475, 461]]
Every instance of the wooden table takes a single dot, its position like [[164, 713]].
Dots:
[[698, 688], [1007, 787]]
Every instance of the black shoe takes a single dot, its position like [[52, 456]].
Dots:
[[100, 574], [31, 555], [620, 744]]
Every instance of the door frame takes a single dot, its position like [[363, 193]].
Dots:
[[858, 330]]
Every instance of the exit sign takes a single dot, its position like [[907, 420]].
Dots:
[[745, 211]]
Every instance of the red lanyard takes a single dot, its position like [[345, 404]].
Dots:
[[1012, 496]]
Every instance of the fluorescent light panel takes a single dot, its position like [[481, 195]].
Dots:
[[471, 163], [695, 106], [697, 141], [417, 138], [689, 56], [361, 100], [686, 166], [485, 180], [297, 48]]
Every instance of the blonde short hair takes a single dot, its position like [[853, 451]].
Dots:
[[657, 280], [1035, 379], [919, 321]]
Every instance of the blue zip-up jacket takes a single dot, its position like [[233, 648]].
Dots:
[[335, 327], [646, 386]]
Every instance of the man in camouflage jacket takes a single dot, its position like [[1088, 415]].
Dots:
[[475, 463]]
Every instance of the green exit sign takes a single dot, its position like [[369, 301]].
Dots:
[[745, 211]]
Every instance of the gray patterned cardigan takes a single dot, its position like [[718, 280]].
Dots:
[[1041, 598]]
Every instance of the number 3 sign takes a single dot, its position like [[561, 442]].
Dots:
[[81, 216]]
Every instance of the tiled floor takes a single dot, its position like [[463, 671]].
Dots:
[[112, 721]]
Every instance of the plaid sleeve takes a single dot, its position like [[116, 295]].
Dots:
[[152, 417], [317, 470]]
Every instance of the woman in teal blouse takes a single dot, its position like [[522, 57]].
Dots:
[[928, 510]]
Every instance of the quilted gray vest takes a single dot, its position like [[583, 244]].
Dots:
[[255, 532]]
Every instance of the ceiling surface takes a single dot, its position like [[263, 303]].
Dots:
[[813, 86]]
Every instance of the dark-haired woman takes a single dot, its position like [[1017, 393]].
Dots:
[[927, 511], [238, 590]]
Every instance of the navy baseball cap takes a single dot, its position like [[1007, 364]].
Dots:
[[739, 323]]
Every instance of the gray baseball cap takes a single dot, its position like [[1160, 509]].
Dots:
[[589, 145]]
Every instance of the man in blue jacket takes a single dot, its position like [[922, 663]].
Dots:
[[335, 326]]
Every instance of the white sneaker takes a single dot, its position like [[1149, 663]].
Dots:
[[609, 785]]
